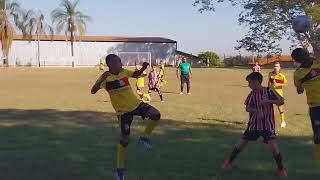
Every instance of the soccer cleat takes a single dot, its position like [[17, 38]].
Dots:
[[181, 93], [226, 164], [120, 174], [189, 93], [283, 124], [283, 173], [162, 101], [145, 142]]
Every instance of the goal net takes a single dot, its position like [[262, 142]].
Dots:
[[130, 58]]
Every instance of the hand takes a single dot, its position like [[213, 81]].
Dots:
[[145, 65], [300, 90]]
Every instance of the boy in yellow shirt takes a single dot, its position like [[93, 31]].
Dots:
[[126, 104], [145, 97], [161, 73], [101, 65], [307, 78], [277, 81]]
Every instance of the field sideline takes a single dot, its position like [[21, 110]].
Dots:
[[52, 128]]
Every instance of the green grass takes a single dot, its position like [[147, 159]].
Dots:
[[51, 128]]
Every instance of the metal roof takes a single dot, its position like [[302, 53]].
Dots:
[[97, 39]]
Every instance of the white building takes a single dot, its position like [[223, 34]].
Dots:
[[88, 50]]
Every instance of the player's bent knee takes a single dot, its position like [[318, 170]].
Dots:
[[156, 117], [154, 114]]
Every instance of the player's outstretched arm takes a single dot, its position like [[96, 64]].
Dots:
[[137, 73], [190, 72], [96, 87]]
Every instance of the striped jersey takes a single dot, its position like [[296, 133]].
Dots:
[[252, 101]]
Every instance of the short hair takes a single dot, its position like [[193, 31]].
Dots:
[[296, 53], [110, 57], [255, 76], [277, 63]]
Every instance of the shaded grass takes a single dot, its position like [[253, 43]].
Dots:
[[51, 148]]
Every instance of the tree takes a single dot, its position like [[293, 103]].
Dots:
[[210, 59], [237, 61], [35, 24], [68, 18], [9, 10], [270, 21]]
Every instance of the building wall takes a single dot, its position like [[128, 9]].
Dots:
[[58, 53]]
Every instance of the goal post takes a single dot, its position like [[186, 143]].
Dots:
[[130, 58]]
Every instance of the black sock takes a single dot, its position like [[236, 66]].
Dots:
[[161, 98], [234, 154], [278, 160]]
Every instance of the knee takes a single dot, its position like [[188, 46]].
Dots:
[[124, 142], [154, 114]]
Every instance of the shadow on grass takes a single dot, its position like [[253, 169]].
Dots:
[[65, 145], [169, 92]]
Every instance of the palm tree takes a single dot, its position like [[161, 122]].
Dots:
[[67, 18], [8, 10], [34, 23]]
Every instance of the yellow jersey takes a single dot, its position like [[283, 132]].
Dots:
[[309, 79], [161, 72], [140, 80], [121, 95], [101, 66], [278, 78]]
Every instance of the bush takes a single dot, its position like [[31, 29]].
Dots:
[[210, 59], [237, 61]]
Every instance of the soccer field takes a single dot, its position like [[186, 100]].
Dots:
[[52, 128]]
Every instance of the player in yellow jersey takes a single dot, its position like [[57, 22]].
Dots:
[[126, 104], [101, 65], [161, 73], [307, 78], [145, 97], [277, 81]]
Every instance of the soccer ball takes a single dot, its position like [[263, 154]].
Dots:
[[301, 24]]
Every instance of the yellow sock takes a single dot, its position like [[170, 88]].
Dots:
[[317, 156], [120, 156], [150, 125], [282, 116]]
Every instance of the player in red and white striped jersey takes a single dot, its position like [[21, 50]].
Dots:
[[259, 104]]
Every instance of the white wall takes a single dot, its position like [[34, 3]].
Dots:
[[58, 53]]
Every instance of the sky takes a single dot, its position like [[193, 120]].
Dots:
[[174, 19]]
